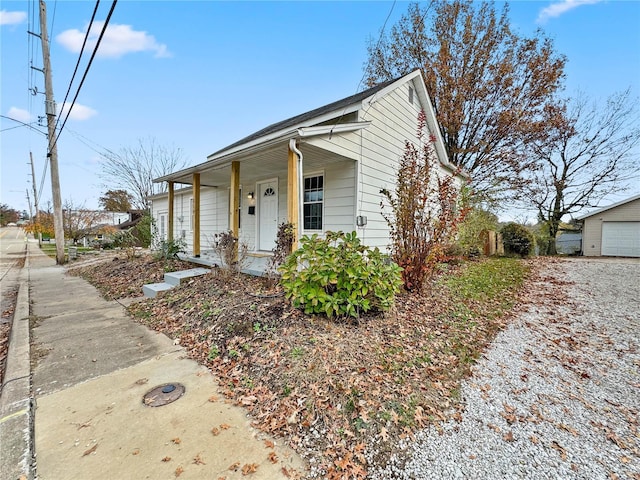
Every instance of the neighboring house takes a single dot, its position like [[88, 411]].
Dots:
[[613, 230], [110, 223], [321, 170]]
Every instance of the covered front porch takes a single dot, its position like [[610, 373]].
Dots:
[[255, 264], [250, 193]]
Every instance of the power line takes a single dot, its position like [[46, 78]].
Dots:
[[22, 124], [75, 70], [95, 51]]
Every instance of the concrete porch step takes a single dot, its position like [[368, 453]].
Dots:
[[174, 278], [152, 289], [171, 279]]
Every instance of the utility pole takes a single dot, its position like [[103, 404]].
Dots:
[[34, 219], [29, 203], [52, 150]]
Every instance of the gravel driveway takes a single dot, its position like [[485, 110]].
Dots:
[[558, 394]]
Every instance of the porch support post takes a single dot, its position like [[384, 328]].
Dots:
[[170, 226], [234, 204], [196, 215], [292, 196]]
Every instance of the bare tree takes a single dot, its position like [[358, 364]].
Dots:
[[587, 154], [487, 84], [79, 221], [134, 168]]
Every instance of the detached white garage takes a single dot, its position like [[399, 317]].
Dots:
[[613, 231]]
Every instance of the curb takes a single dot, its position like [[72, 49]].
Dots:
[[16, 403]]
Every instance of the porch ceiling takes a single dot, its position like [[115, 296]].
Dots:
[[266, 163]]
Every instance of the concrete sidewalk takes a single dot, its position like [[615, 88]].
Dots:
[[91, 366]]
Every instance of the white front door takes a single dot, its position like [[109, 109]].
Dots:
[[267, 214], [162, 226]]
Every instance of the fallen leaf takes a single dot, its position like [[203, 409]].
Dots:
[[273, 458], [234, 467], [249, 468], [225, 426], [179, 471], [136, 452], [269, 444], [215, 431], [563, 453], [198, 460], [384, 434], [213, 398], [166, 459], [176, 440], [90, 451], [508, 437]]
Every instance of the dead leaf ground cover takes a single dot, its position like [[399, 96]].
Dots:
[[341, 392]]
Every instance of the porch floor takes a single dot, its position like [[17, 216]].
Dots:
[[255, 263]]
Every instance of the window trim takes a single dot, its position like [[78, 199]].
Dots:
[[319, 173]]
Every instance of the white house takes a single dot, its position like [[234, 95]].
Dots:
[[321, 170]]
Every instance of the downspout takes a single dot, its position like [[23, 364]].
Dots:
[[294, 149]]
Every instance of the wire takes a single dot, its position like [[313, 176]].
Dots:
[[75, 70], [22, 124], [95, 50]]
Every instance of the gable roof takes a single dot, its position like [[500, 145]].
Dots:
[[303, 118], [604, 209], [298, 126]]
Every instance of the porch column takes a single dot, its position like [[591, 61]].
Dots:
[[234, 203], [196, 215], [292, 196], [170, 226]]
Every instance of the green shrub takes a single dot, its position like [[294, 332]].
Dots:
[[470, 240], [338, 276], [169, 249], [517, 239], [143, 231]]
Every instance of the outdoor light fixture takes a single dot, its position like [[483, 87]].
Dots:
[[250, 195]]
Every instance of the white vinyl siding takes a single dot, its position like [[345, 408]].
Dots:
[[594, 241], [394, 121]]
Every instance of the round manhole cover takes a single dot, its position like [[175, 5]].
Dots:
[[163, 394]]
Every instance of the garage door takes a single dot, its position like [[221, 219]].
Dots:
[[621, 239]]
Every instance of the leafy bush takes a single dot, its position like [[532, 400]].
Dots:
[[517, 239], [470, 239], [143, 231], [338, 276], [169, 249], [127, 241]]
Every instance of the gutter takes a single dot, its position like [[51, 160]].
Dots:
[[294, 149]]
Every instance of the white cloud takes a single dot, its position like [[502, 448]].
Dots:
[[12, 18], [19, 114], [79, 112], [556, 9], [117, 41]]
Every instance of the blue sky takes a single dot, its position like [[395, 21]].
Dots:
[[200, 75]]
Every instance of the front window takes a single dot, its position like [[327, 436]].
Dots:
[[313, 202]]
